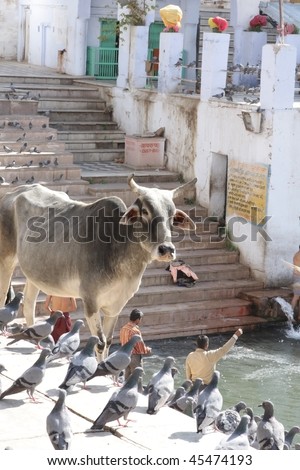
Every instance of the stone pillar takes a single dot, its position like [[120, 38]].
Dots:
[[170, 53], [138, 56], [214, 64], [277, 85]]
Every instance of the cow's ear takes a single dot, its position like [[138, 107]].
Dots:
[[182, 220], [130, 216]]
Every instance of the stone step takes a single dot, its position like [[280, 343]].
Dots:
[[74, 115], [11, 134], [75, 189], [41, 78], [99, 155], [57, 103], [82, 126], [17, 106], [48, 173], [53, 90], [112, 143], [203, 257], [42, 145], [24, 122], [110, 173], [74, 136], [210, 290], [123, 191]]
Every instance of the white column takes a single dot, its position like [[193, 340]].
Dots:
[[138, 56], [170, 53], [214, 64], [123, 60], [277, 86]]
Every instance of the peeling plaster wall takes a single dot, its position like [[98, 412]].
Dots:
[[144, 111], [8, 29]]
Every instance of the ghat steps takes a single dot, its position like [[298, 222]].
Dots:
[[214, 303]]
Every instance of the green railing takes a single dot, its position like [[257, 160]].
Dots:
[[102, 62]]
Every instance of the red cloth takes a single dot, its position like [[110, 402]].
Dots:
[[62, 325]]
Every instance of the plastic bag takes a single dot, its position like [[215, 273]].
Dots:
[[171, 16]]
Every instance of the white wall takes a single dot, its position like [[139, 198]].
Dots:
[[8, 29]]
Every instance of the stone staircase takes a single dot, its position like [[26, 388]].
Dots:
[[218, 301]]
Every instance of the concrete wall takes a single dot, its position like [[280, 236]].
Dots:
[[8, 29]]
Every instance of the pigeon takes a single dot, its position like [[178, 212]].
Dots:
[[82, 365], [34, 149], [38, 330], [179, 392], [15, 180], [11, 165], [30, 180], [270, 432], [9, 312], [23, 148], [161, 386], [209, 405], [238, 440], [2, 180], [30, 379], [116, 361], [50, 137], [7, 149], [28, 164], [2, 369], [121, 402], [189, 398], [44, 126], [3, 125], [30, 125], [252, 426], [59, 177], [228, 420], [58, 424], [289, 436], [22, 137], [68, 343], [55, 163], [48, 343]]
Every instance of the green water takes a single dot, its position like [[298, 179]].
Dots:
[[263, 365]]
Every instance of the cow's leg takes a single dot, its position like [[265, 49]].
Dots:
[[7, 267], [109, 324], [30, 296], [95, 327]]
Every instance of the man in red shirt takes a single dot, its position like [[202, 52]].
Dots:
[[127, 331]]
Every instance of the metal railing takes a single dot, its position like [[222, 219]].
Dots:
[[102, 62]]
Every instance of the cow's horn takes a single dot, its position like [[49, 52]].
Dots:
[[181, 189], [134, 186]]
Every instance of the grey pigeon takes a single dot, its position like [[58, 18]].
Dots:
[[58, 424], [121, 402], [38, 331], [179, 392], [252, 426], [238, 440], [116, 361], [9, 312], [47, 342], [161, 386], [209, 405], [2, 369], [270, 432], [30, 379], [30, 180], [189, 398], [67, 344], [82, 365], [228, 420], [289, 436], [7, 149], [23, 148]]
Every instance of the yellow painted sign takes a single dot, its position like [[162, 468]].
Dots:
[[247, 186]]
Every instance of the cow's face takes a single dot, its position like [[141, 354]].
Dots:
[[153, 215]]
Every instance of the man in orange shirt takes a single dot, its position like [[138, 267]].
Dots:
[[127, 331], [65, 305]]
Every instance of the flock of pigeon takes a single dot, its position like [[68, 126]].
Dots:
[[239, 428]]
